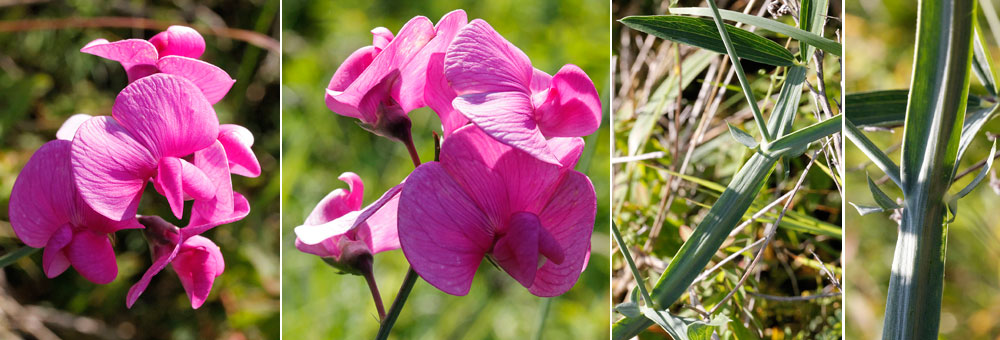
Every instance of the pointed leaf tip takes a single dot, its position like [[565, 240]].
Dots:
[[742, 136]]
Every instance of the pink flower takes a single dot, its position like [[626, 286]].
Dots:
[[197, 261], [156, 122], [499, 91], [533, 218], [47, 211], [237, 141], [168, 241], [379, 84], [340, 231], [174, 51]]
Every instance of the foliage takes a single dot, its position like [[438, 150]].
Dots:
[[318, 145], [46, 79], [660, 134], [969, 294]]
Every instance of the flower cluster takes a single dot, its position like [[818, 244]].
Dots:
[[503, 188], [87, 184]]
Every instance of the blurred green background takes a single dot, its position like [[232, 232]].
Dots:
[[44, 79], [318, 145], [880, 38]]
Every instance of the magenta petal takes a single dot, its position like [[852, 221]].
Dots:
[[539, 81], [54, 261], [140, 286], [241, 207], [179, 40], [317, 233], [219, 204], [507, 117], [197, 265], [167, 114], [488, 169], [379, 218], [516, 250], [567, 150], [110, 167], [136, 55], [237, 141], [42, 199], [92, 256], [414, 72], [413, 36], [480, 60], [327, 248], [446, 252], [339, 202], [569, 218], [572, 107], [438, 95], [169, 180], [90, 219], [381, 37], [212, 80], [349, 71], [196, 183], [69, 127], [549, 247]]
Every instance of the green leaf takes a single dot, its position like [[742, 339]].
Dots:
[[742, 136], [740, 332], [702, 33], [13, 256], [639, 281], [783, 115], [884, 108], [982, 63], [734, 59], [681, 328], [705, 241], [973, 123], [880, 197], [825, 44], [628, 308], [934, 115], [715, 227], [796, 142], [812, 17], [981, 175], [875, 154], [866, 209], [793, 220]]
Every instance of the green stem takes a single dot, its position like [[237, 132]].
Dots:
[[13, 256], [368, 272], [546, 305], [397, 305], [747, 91], [639, 282], [934, 117], [413, 151]]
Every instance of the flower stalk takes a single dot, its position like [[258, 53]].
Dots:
[[934, 119], [397, 305]]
